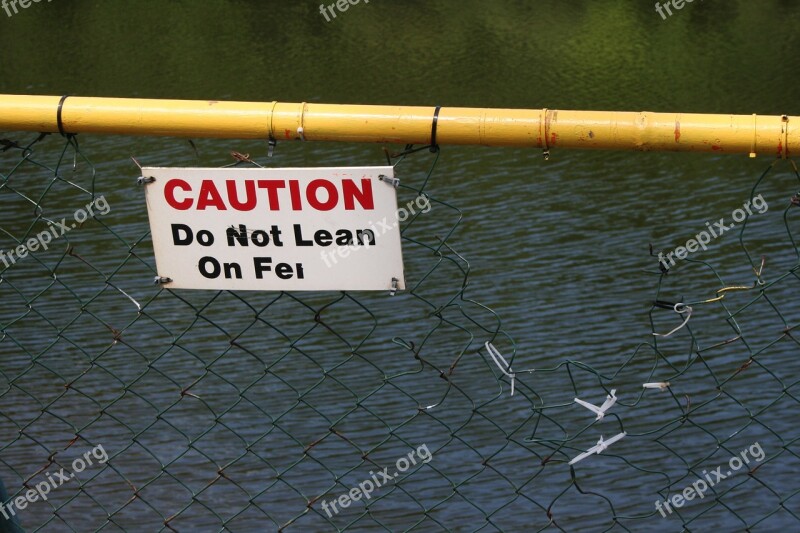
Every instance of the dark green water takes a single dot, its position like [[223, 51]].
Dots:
[[557, 248]]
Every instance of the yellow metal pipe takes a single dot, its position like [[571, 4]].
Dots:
[[536, 128]]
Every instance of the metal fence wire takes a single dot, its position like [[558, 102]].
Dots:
[[125, 406]]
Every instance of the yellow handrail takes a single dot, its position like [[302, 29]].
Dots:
[[537, 128]]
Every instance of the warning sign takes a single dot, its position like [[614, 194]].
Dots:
[[276, 229]]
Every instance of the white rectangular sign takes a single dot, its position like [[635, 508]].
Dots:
[[275, 229]]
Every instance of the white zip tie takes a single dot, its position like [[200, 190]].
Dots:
[[663, 385], [686, 309], [139, 307], [611, 399], [497, 357], [598, 448]]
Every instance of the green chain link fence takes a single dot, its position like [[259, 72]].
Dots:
[[212, 411]]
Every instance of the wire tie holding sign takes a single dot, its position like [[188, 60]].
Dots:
[[301, 130], [394, 287], [272, 141], [142, 180], [159, 280], [394, 182], [785, 128]]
